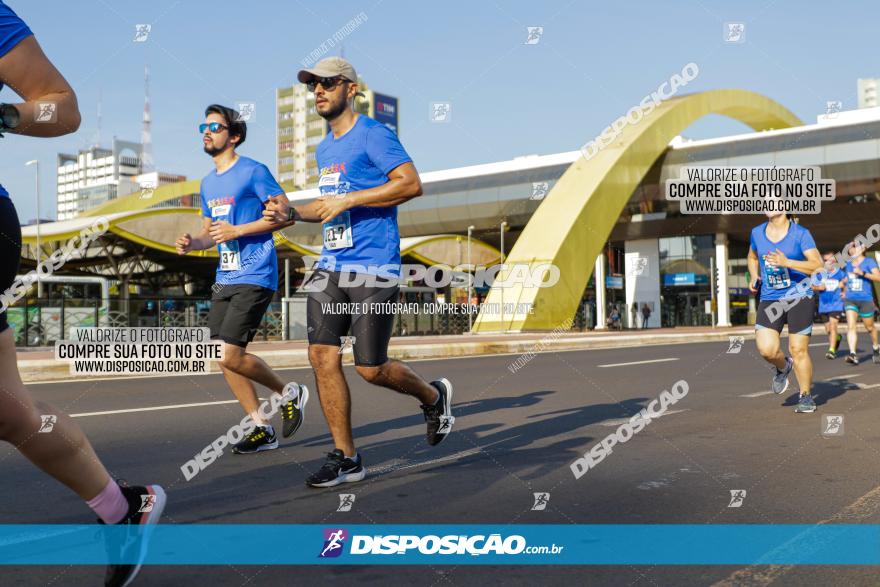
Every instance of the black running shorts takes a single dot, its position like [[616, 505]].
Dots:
[[798, 316], [236, 312], [10, 250], [331, 314], [838, 315]]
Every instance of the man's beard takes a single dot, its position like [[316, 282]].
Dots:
[[212, 150], [335, 110]]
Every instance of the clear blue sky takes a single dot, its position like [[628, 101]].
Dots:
[[595, 60]]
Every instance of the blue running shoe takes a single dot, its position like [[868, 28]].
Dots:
[[780, 380]]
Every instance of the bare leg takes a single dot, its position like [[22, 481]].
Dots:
[[798, 346], [869, 326], [852, 334], [65, 452], [767, 340], [400, 377], [240, 362], [831, 329], [333, 393]]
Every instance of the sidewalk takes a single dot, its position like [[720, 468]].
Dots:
[[39, 364]]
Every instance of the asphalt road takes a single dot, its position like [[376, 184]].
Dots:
[[515, 434]]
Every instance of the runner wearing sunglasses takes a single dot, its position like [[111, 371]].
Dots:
[[40, 432], [232, 197], [365, 175]]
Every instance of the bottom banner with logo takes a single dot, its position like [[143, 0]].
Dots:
[[622, 544]]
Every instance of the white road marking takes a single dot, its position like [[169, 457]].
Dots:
[[817, 344], [388, 468], [155, 408], [835, 378], [619, 421], [639, 362], [756, 394]]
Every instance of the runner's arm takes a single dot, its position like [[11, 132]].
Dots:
[[812, 262], [403, 185], [31, 75], [873, 275], [203, 240], [277, 208], [223, 231], [754, 268]]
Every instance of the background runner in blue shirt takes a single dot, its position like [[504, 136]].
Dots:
[[234, 198], [829, 284], [858, 297], [233, 195], [782, 256]]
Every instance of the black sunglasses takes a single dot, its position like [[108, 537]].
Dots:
[[328, 83], [211, 126]]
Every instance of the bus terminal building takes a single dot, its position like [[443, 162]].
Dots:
[[604, 221]]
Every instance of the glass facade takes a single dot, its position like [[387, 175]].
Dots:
[[685, 279]]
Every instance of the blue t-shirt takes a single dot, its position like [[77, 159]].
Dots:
[[362, 239], [830, 299], [858, 288], [781, 282], [12, 31], [237, 196]]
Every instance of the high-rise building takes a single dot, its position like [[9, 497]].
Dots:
[[299, 129], [97, 175], [868, 89]]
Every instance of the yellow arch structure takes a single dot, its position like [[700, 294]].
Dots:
[[136, 201], [573, 223]]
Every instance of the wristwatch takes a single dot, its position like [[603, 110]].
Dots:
[[291, 213], [9, 118]]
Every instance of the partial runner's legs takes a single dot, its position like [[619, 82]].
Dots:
[[64, 453]]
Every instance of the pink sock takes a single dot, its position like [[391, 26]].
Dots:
[[110, 505]]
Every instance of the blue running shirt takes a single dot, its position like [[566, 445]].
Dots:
[[12, 31], [363, 239], [858, 288], [782, 282], [830, 299], [237, 196]]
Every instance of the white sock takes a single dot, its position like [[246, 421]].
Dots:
[[354, 458], [258, 419]]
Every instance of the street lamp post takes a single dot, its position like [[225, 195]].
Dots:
[[503, 226], [36, 164], [471, 278]]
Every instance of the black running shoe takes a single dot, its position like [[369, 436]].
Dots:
[[337, 469], [852, 358], [293, 411], [439, 416], [259, 440], [145, 507], [876, 355]]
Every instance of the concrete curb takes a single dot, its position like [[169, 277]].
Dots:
[[39, 370]]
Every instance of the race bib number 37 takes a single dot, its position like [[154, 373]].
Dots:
[[229, 256]]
